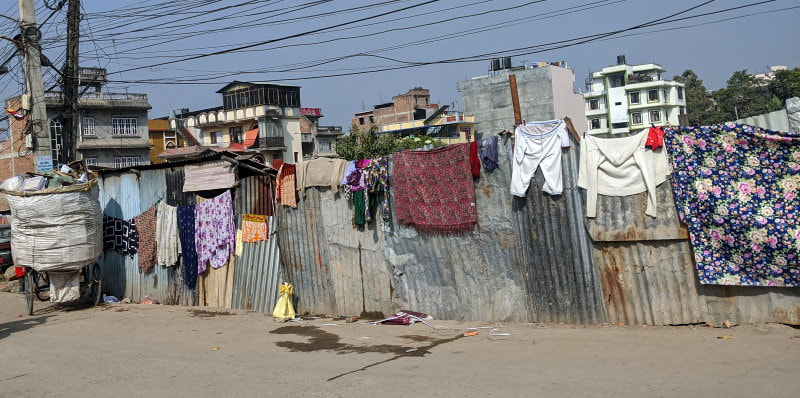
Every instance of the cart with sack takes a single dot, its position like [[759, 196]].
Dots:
[[57, 236]]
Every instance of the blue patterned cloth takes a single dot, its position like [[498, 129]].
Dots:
[[186, 232], [737, 187], [488, 151]]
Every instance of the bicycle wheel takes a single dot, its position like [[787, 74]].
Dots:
[[30, 287], [96, 276], [41, 286]]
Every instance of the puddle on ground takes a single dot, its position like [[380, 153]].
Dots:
[[321, 340], [208, 314]]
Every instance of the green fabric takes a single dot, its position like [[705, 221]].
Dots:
[[359, 208]]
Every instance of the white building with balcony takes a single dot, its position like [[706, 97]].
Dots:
[[629, 98], [258, 118]]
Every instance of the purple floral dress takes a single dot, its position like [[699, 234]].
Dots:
[[215, 231]]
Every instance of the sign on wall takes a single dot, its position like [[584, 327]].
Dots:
[[44, 163]]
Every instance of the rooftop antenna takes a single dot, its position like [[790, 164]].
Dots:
[[363, 107]]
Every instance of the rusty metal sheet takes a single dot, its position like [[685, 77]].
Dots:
[[623, 218], [562, 283], [208, 176], [655, 283]]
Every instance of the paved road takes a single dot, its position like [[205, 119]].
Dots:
[[155, 351]]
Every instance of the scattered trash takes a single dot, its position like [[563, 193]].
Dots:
[[411, 350], [405, 318], [724, 337], [493, 331], [708, 325], [126, 300], [121, 309], [727, 324], [468, 334], [215, 349], [329, 324], [110, 299], [148, 300], [351, 319], [364, 338]]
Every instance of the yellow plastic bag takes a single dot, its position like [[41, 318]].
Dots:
[[284, 310]]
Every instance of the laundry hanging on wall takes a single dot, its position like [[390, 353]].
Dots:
[[215, 231], [186, 232], [737, 187], [254, 228], [146, 227], [433, 190], [120, 236], [621, 167], [167, 242], [286, 186], [538, 144], [321, 172], [487, 148]]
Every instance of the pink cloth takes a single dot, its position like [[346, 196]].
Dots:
[[215, 231]]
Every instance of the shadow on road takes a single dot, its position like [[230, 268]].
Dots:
[[7, 328]]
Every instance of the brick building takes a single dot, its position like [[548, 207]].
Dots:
[[413, 105]]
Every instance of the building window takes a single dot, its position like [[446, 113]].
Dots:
[[56, 141], [636, 118], [124, 126], [361, 121], [620, 125], [87, 128], [170, 139], [652, 96], [325, 146], [594, 124], [213, 137], [594, 104], [635, 98], [682, 111], [680, 93], [371, 119], [666, 95], [125, 161], [655, 117], [90, 161], [616, 80], [236, 134]]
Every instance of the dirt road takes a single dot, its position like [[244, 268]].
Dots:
[[155, 351]]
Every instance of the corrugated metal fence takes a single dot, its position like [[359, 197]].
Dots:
[[533, 259]]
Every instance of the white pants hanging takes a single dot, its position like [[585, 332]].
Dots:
[[532, 152]]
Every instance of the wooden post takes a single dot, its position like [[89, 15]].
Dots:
[[512, 82]]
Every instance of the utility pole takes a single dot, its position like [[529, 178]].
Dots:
[[37, 134], [71, 80]]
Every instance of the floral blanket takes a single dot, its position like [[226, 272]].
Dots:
[[736, 187], [433, 190]]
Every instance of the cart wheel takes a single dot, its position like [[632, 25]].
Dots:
[[30, 287], [97, 284], [41, 286]]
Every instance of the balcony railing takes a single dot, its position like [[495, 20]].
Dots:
[[102, 96], [269, 142]]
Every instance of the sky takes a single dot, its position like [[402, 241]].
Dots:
[[131, 37]]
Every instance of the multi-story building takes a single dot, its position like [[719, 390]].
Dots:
[[413, 105], [162, 138], [259, 118], [546, 91], [767, 77], [451, 127], [628, 98], [317, 140], [112, 130]]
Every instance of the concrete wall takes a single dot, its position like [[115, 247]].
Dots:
[[565, 101], [778, 121], [488, 98]]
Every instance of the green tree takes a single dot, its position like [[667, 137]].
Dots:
[[786, 84], [743, 97], [699, 107], [366, 144]]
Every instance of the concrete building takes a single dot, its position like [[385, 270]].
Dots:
[[546, 92], [415, 104], [628, 98], [162, 138], [317, 140], [451, 127], [767, 77], [112, 131], [259, 118]]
